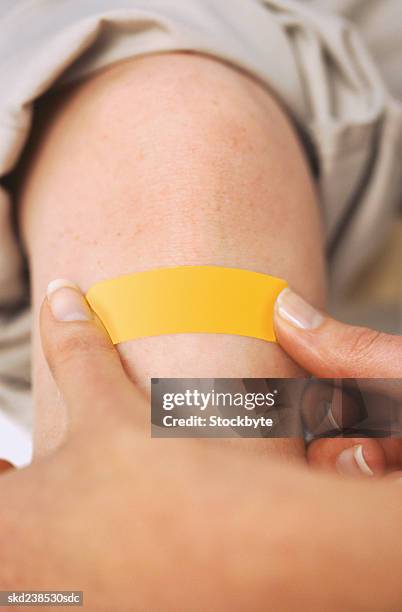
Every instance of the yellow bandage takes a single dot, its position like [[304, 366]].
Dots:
[[187, 299]]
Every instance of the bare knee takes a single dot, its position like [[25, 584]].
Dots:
[[201, 159], [172, 160]]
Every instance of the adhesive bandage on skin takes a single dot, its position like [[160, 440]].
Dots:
[[187, 299]]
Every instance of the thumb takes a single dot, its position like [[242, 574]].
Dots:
[[327, 348], [84, 363]]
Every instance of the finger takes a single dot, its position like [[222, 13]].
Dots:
[[330, 411], [5, 466], [357, 457], [326, 407], [392, 448], [85, 365], [380, 456], [395, 477], [327, 348]]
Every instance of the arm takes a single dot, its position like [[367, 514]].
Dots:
[[168, 160], [150, 525]]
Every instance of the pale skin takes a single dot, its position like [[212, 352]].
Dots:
[[169, 160], [112, 187], [200, 166], [144, 524]]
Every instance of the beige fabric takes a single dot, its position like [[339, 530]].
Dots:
[[315, 61], [379, 24]]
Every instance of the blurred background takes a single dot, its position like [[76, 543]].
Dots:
[[375, 299]]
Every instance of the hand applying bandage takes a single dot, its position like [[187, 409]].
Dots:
[[111, 503], [329, 349]]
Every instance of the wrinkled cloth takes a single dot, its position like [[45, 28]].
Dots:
[[314, 60]]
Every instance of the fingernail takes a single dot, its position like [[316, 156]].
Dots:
[[293, 309], [67, 302], [351, 462]]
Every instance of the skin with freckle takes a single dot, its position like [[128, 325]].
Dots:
[[161, 161]]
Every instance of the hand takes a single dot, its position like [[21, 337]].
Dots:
[[329, 349], [173, 525]]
